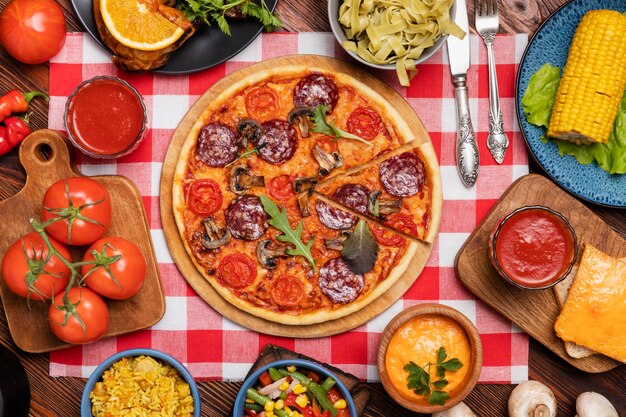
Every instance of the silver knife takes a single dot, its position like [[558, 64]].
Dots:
[[467, 159]]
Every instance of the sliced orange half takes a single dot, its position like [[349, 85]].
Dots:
[[138, 25]]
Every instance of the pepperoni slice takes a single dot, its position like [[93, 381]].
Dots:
[[236, 271], [287, 291], [338, 283], [281, 188], [316, 89], [279, 141], [217, 145], [262, 102], [352, 195], [204, 197], [365, 123], [245, 217], [403, 175], [333, 217]]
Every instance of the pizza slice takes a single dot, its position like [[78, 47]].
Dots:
[[401, 189]]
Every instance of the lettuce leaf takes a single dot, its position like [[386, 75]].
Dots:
[[537, 105]]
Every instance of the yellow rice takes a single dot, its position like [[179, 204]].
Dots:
[[141, 387]]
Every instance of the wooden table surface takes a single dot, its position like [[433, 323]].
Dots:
[[61, 396]]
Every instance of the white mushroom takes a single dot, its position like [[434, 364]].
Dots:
[[532, 399], [592, 404], [459, 410]]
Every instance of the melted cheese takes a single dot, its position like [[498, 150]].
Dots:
[[594, 314]]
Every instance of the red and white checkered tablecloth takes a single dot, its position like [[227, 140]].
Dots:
[[214, 347]]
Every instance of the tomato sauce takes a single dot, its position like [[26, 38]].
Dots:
[[105, 117], [534, 247]]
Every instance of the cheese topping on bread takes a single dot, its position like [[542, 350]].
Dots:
[[594, 314]]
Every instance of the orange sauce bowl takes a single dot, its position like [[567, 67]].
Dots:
[[105, 117], [533, 247], [416, 334]]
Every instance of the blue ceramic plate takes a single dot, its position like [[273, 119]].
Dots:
[[551, 45]]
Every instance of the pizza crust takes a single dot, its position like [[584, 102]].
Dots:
[[405, 134]]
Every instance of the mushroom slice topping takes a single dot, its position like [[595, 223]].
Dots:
[[303, 203], [381, 208], [267, 256], [301, 116], [336, 243], [327, 161], [241, 179], [214, 236], [304, 184], [250, 131]]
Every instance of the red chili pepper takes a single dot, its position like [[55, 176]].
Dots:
[[291, 402], [11, 135], [16, 102]]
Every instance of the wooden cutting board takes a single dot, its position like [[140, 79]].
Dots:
[[535, 311], [203, 287], [46, 157]]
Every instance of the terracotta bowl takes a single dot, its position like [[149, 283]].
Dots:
[[456, 395]]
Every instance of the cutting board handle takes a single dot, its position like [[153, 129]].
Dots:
[[46, 157]]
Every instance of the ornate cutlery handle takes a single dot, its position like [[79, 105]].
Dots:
[[467, 159], [497, 141]]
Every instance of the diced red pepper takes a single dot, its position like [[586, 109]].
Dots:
[[326, 413], [291, 402], [265, 379], [314, 376]]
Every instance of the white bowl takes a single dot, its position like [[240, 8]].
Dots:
[[340, 35]]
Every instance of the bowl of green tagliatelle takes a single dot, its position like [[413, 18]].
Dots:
[[393, 34]]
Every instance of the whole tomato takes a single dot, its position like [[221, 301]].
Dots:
[[32, 31], [113, 277], [84, 208], [86, 307], [26, 272]]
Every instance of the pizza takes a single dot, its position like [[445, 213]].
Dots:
[[274, 203]]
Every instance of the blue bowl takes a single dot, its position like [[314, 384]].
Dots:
[[300, 363], [85, 403]]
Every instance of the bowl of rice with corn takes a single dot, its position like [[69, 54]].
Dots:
[[143, 383]]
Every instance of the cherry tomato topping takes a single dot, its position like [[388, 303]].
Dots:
[[327, 144], [403, 223], [287, 291], [387, 237], [236, 270], [262, 102], [365, 123], [204, 197], [281, 188]]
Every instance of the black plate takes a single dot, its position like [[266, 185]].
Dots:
[[14, 386], [205, 49]]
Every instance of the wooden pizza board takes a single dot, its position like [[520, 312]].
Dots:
[[535, 311], [46, 157], [203, 287]]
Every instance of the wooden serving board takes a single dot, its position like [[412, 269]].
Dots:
[[535, 311], [46, 157], [203, 287]]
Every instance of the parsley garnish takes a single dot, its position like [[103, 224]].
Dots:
[[280, 221], [419, 377], [211, 11], [321, 125]]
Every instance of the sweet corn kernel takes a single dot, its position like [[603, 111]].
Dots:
[[269, 406], [291, 368], [279, 405], [299, 389], [270, 414], [283, 386], [295, 414], [340, 404], [302, 400], [249, 401]]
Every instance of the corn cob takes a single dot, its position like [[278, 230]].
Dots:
[[593, 80]]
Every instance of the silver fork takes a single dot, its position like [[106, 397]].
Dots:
[[487, 26]]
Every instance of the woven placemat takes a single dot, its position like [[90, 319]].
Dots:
[[359, 391]]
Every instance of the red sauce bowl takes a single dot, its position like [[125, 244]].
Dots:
[[105, 117], [534, 247]]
